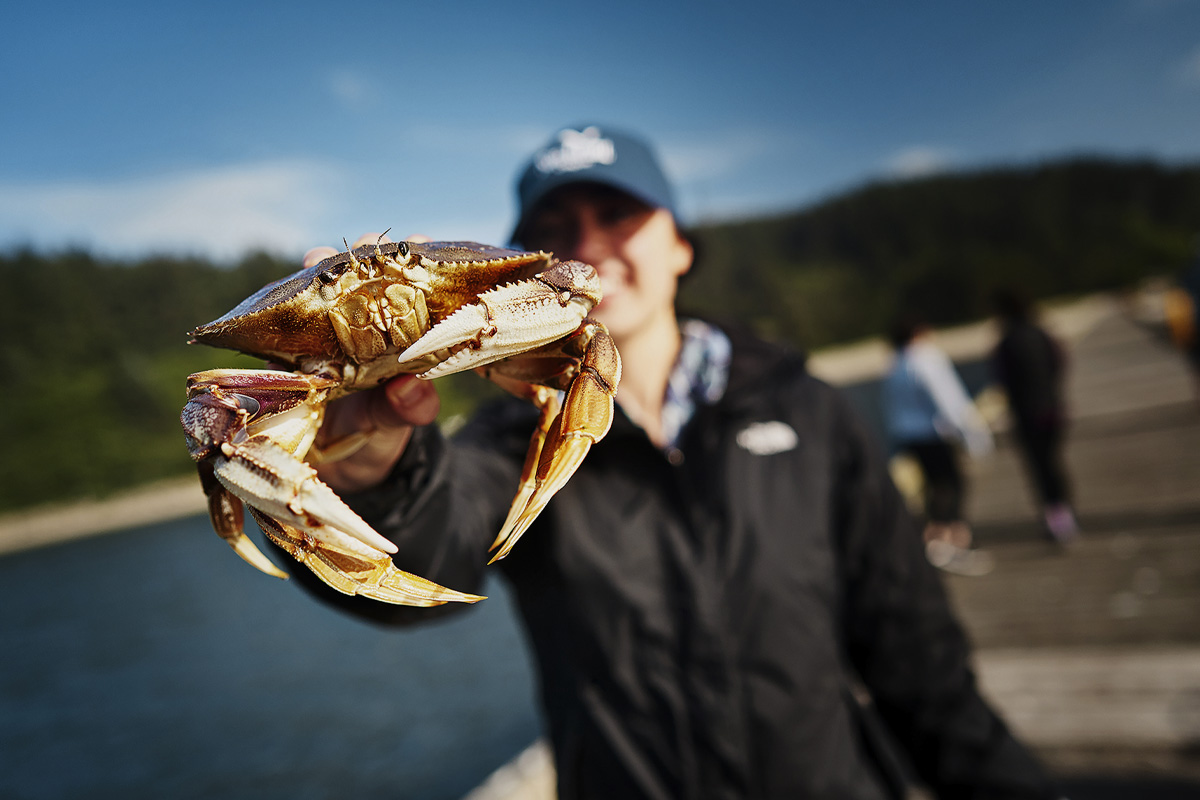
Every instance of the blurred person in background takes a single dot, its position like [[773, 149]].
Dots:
[[930, 416], [728, 599], [1029, 365]]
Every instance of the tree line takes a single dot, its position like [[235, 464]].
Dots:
[[939, 247], [93, 352]]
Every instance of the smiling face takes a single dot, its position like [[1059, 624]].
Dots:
[[637, 250]]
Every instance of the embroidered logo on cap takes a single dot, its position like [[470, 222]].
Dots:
[[576, 150], [767, 438]]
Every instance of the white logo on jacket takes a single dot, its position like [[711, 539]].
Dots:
[[767, 438]]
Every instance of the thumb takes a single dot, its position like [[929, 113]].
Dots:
[[406, 401]]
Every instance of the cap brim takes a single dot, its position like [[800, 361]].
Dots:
[[597, 177]]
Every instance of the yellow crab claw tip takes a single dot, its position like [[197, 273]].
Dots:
[[563, 462], [515, 513], [405, 588], [353, 572], [407, 597], [523, 523], [525, 509], [244, 547]]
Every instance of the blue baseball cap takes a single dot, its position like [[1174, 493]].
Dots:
[[592, 154]]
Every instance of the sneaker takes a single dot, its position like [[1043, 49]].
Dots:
[[959, 560], [1061, 524]]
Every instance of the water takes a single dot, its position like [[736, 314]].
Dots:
[[155, 663]]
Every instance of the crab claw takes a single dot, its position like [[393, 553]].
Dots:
[[510, 320], [304, 517], [356, 573], [272, 480], [225, 511], [564, 436], [244, 428]]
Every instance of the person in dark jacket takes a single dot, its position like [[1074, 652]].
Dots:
[[1030, 366], [728, 599]]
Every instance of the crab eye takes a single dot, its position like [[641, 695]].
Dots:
[[402, 249], [326, 278]]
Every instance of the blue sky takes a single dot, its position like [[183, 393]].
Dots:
[[212, 128]]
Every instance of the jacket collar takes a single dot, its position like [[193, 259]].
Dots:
[[754, 365]]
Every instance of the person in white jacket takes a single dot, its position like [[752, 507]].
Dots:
[[930, 417]]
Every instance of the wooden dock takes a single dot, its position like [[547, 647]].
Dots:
[[1092, 654]]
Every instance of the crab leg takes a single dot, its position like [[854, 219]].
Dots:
[[549, 404], [563, 436]]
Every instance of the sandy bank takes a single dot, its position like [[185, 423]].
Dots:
[[156, 502]]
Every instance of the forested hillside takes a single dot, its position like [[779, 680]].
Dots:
[[939, 246], [92, 361], [93, 354]]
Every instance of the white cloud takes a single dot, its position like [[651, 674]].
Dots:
[[916, 162], [725, 154], [349, 88], [491, 228], [500, 143], [220, 213]]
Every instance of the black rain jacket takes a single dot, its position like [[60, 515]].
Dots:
[[749, 616]]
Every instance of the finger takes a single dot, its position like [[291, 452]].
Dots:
[[317, 255], [371, 238], [407, 400], [417, 237]]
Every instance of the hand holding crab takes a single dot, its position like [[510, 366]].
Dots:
[[352, 322]]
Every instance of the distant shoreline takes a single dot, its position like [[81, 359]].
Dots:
[[182, 497], [156, 502]]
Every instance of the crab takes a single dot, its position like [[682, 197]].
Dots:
[[352, 322]]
